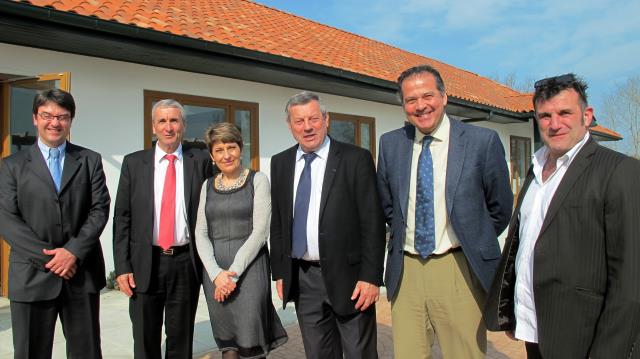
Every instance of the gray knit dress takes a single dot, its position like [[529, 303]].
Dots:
[[246, 321]]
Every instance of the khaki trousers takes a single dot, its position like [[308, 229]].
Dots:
[[438, 296]]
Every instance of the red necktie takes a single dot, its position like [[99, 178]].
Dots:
[[168, 206]]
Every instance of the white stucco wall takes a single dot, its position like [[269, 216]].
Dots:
[[109, 99]]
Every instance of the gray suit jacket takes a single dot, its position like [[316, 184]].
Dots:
[[33, 217], [586, 265], [478, 196]]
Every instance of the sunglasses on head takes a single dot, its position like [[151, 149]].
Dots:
[[560, 80]]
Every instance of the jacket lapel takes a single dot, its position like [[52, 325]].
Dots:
[[38, 165], [405, 155], [333, 161], [525, 187], [455, 161], [289, 170], [575, 170], [146, 178], [187, 169], [71, 165], [514, 224]]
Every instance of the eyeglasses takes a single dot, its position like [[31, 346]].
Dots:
[[49, 117], [560, 80]]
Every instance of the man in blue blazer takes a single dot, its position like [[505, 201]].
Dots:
[[444, 187]]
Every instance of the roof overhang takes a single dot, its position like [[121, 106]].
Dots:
[[40, 27]]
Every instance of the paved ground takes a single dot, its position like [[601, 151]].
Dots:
[[499, 347], [117, 338]]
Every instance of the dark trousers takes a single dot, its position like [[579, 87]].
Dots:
[[173, 291], [533, 350], [34, 324], [326, 334]]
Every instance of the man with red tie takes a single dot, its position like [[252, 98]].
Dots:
[[155, 214]]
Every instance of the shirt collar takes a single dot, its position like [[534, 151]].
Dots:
[[540, 157], [159, 153], [440, 134], [45, 149], [322, 152]]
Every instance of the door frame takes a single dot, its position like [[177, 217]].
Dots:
[[64, 79]]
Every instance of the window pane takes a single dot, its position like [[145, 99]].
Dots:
[[202, 112], [23, 134], [365, 136], [344, 131], [243, 121], [198, 120]]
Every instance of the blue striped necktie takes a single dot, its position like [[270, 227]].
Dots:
[[301, 208], [424, 240]]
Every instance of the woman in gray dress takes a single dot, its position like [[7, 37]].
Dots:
[[231, 233]]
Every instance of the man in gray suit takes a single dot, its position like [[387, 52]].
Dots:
[[54, 204], [568, 282], [444, 188]]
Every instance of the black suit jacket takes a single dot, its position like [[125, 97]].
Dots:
[[34, 217], [351, 225], [133, 217], [586, 265]]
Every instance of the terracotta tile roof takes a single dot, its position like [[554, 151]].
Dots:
[[253, 26], [600, 130]]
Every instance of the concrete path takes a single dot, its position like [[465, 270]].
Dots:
[[117, 340]]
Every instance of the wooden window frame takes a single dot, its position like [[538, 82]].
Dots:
[[357, 120], [230, 106]]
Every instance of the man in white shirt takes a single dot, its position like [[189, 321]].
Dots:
[[568, 281], [155, 213]]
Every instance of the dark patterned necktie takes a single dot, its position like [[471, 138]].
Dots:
[[424, 240], [301, 208]]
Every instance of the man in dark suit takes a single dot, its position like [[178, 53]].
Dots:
[[155, 257], [54, 204], [444, 188], [568, 283], [327, 235]]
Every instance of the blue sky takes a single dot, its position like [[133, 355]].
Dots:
[[596, 39]]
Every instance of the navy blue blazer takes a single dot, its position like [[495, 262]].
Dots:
[[478, 195]]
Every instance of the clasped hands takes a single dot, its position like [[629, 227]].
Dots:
[[63, 263], [224, 285]]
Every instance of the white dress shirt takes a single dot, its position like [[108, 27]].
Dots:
[[532, 212], [159, 173], [318, 166], [444, 235]]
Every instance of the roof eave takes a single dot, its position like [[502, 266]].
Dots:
[[385, 90]]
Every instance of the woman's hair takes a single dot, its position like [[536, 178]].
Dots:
[[224, 132]]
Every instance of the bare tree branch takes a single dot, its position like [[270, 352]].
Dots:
[[621, 112]]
